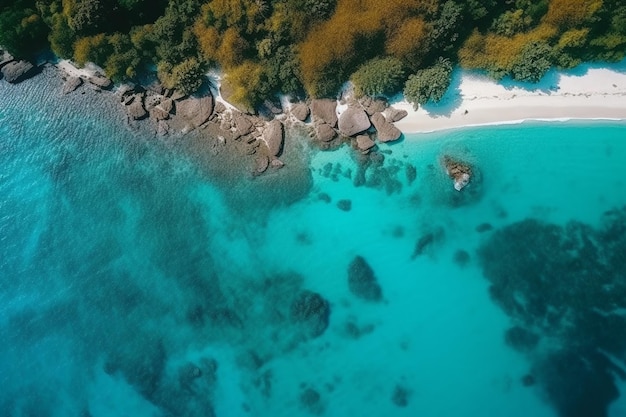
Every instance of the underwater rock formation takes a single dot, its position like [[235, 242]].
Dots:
[[460, 172], [311, 310], [362, 282]]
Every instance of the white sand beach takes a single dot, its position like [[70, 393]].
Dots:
[[473, 100]]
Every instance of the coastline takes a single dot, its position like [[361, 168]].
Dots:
[[472, 100]]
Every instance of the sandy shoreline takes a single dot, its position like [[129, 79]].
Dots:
[[475, 100]]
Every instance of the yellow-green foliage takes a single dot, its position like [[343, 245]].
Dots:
[[246, 81], [88, 49], [565, 14]]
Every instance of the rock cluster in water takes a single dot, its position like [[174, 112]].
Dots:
[[460, 172], [564, 288]]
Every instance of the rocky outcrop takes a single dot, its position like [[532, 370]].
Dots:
[[71, 84], [5, 58], [372, 105], [324, 132], [364, 143], [393, 115], [135, 108], [300, 111], [325, 110], [387, 132], [353, 121], [362, 282], [242, 124], [274, 136], [311, 310], [100, 81], [461, 173], [16, 71], [196, 110]]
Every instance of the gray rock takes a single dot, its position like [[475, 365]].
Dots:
[[136, 110], [196, 110], [325, 133], [167, 105], [300, 111], [371, 105], [274, 136], [394, 114], [387, 132], [262, 162], [100, 81], [242, 124], [16, 71], [364, 143], [5, 58], [219, 107], [325, 110], [353, 121], [162, 128], [157, 113], [71, 84]]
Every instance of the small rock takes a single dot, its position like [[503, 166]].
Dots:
[[422, 243], [277, 163], [136, 109], [364, 143], [411, 173], [242, 124], [387, 132], [5, 58], [311, 310], [100, 81], [394, 115], [400, 396], [325, 133], [219, 107], [274, 136], [460, 172], [262, 162], [344, 205], [163, 128], [71, 84]]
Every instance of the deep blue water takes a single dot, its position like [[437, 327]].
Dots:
[[138, 278]]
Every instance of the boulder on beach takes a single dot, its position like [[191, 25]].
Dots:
[[460, 172], [300, 111], [274, 136], [394, 115], [100, 81], [353, 121], [196, 110], [387, 132], [17, 71], [324, 132], [361, 280], [71, 84], [325, 110]]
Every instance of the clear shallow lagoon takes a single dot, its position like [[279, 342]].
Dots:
[[134, 283]]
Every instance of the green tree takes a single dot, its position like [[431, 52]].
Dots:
[[61, 36], [533, 62], [22, 30], [185, 77], [429, 84], [378, 76]]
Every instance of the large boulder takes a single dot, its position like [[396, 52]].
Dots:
[[364, 143], [274, 136], [16, 71], [372, 105], [300, 111], [100, 81], [5, 58], [325, 110], [394, 114], [353, 121], [242, 124], [71, 84], [324, 132], [387, 132], [362, 282], [312, 311], [196, 110], [136, 109]]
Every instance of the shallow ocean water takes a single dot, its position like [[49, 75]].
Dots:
[[133, 283]]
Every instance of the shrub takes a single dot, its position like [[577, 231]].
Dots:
[[429, 84], [378, 76]]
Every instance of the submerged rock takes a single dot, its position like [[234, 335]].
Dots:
[[344, 205], [460, 172], [422, 243], [400, 396], [311, 310], [364, 143], [362, 282]]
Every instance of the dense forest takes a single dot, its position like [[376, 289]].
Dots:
[[311, 47]]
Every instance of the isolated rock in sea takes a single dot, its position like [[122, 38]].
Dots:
[[393, 114], [71, 84], [460, 172], [364, 143], [353, 121], [387, 132], [300, 111], [325, 110], [274, 136], [197, 110], [100, 81], [362, 282], [16, 71], [325, 133], [311, 310]]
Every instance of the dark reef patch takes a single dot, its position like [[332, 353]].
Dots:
[[362, 282], [565, 284]]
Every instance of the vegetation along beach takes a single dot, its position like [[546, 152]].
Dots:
[[312, 207]]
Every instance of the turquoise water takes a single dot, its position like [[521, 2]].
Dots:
[[139, 278]]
